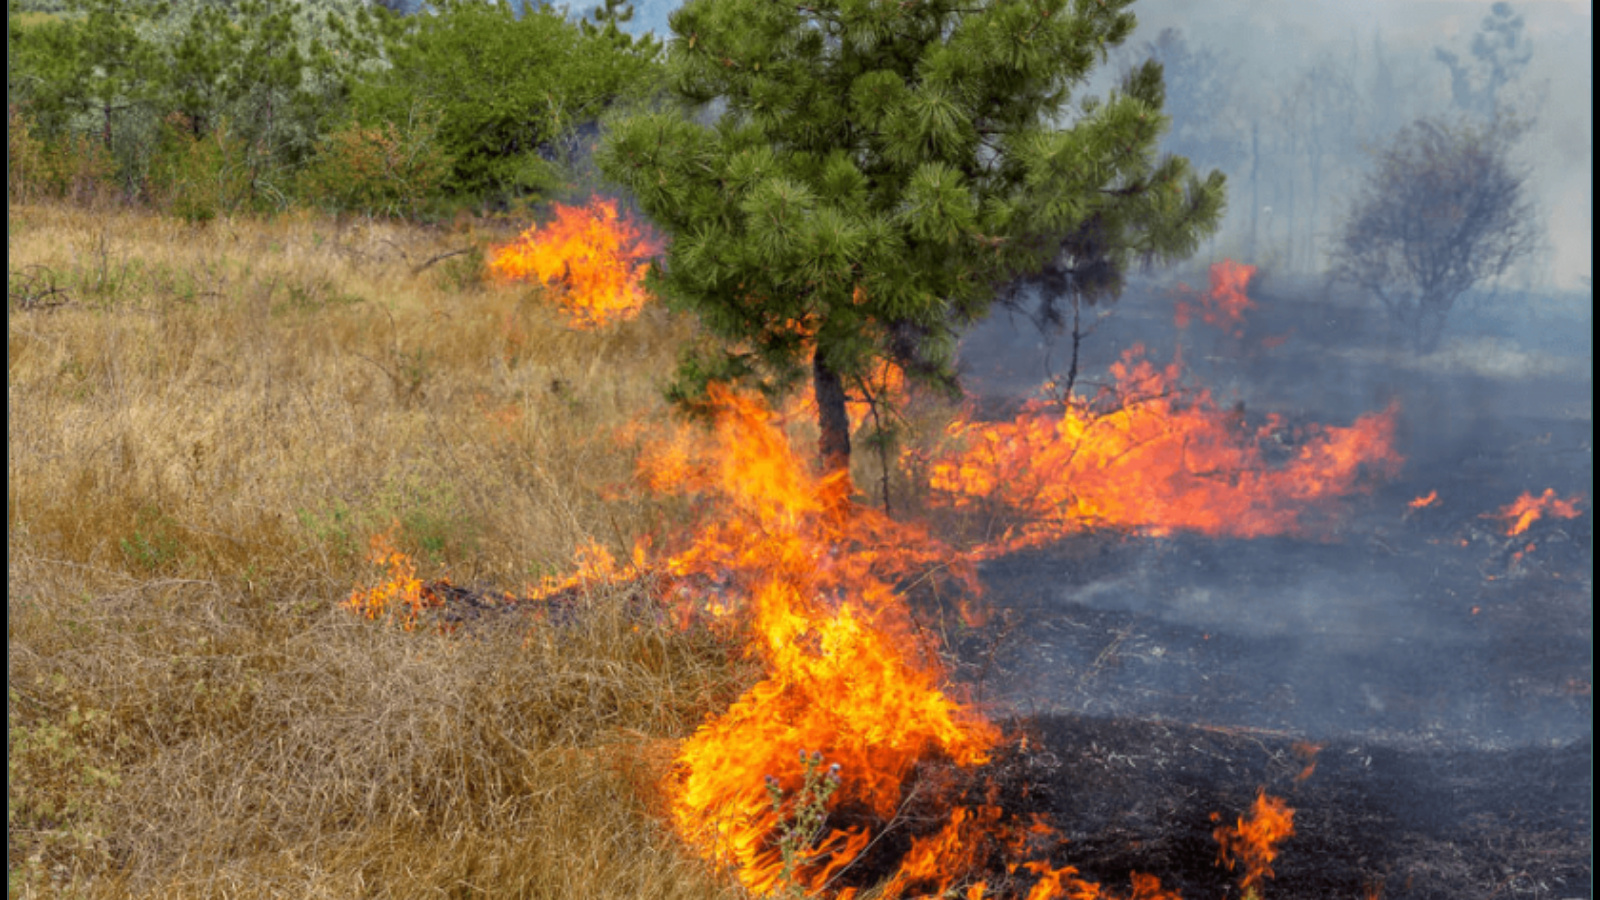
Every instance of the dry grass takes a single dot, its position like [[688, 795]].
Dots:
[[201, 442]]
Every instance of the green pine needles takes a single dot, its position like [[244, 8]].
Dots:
[[852, 180]]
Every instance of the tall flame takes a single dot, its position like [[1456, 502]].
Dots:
[[1253, 842], [597, 257], [848, 674]]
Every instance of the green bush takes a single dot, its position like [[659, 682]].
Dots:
[[70, 167], [198, 178], [510, 90], [388, 170]]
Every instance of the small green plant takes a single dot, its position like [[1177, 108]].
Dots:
[[801, 819], [390, 170], [312, 295], [55, 776], [333, 528], [102, 275], [154, 545], [431, 524], [463, 273]]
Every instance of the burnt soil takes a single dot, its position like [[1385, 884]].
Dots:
[[1444, 668]]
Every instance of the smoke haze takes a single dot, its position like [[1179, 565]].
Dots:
[[1301, 91]]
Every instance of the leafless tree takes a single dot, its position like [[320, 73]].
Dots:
[[1444, 209]]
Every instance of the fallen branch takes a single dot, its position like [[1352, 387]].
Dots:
[[419, 269], [34, 284]]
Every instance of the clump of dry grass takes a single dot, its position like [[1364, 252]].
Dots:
[[202, 439]]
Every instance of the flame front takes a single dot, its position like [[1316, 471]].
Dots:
[[1528, 509], [1154, 455], [598, 258], [1160, 460]]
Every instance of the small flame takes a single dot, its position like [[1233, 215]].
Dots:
[[1254, 841], [1424, 501], [1307, 753], [1527, 509], [1225, 304], [403, 593], [598, 257]]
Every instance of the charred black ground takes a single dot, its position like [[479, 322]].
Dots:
[[1447, 677]]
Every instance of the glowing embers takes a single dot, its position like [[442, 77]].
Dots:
[[1528, 509], [1155, 456], [597, 258]]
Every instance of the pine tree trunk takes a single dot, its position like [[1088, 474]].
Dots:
[[834, 443]]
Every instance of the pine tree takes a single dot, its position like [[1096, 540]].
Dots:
[[853, 180]]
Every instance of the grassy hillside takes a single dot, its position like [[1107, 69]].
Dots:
[[207, 426]]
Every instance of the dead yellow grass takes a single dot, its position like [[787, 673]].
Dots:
[[202, 440]]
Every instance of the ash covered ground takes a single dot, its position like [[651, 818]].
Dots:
[[1445, 668]]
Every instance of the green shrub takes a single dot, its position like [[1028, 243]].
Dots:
[[200, 178], [72, 167], [385, 170], [510, 90]]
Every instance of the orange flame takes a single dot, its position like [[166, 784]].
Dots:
[[598, 257], [1254, 841], [885, 385], [1306, 752], [847, 672], [1225, 304], [1428, 500], [1527, 509], [1156, 461], [849, 678], [403, 593]]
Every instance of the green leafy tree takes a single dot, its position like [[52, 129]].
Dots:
[[87, 67], [279, 73], [112, 56], [852, 180], [507, 88]]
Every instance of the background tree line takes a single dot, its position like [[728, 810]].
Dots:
[[208, 106], [1299, 137], [1403, 173]]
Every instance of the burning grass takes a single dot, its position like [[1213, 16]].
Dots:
[[593, 258], [209, 427]]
